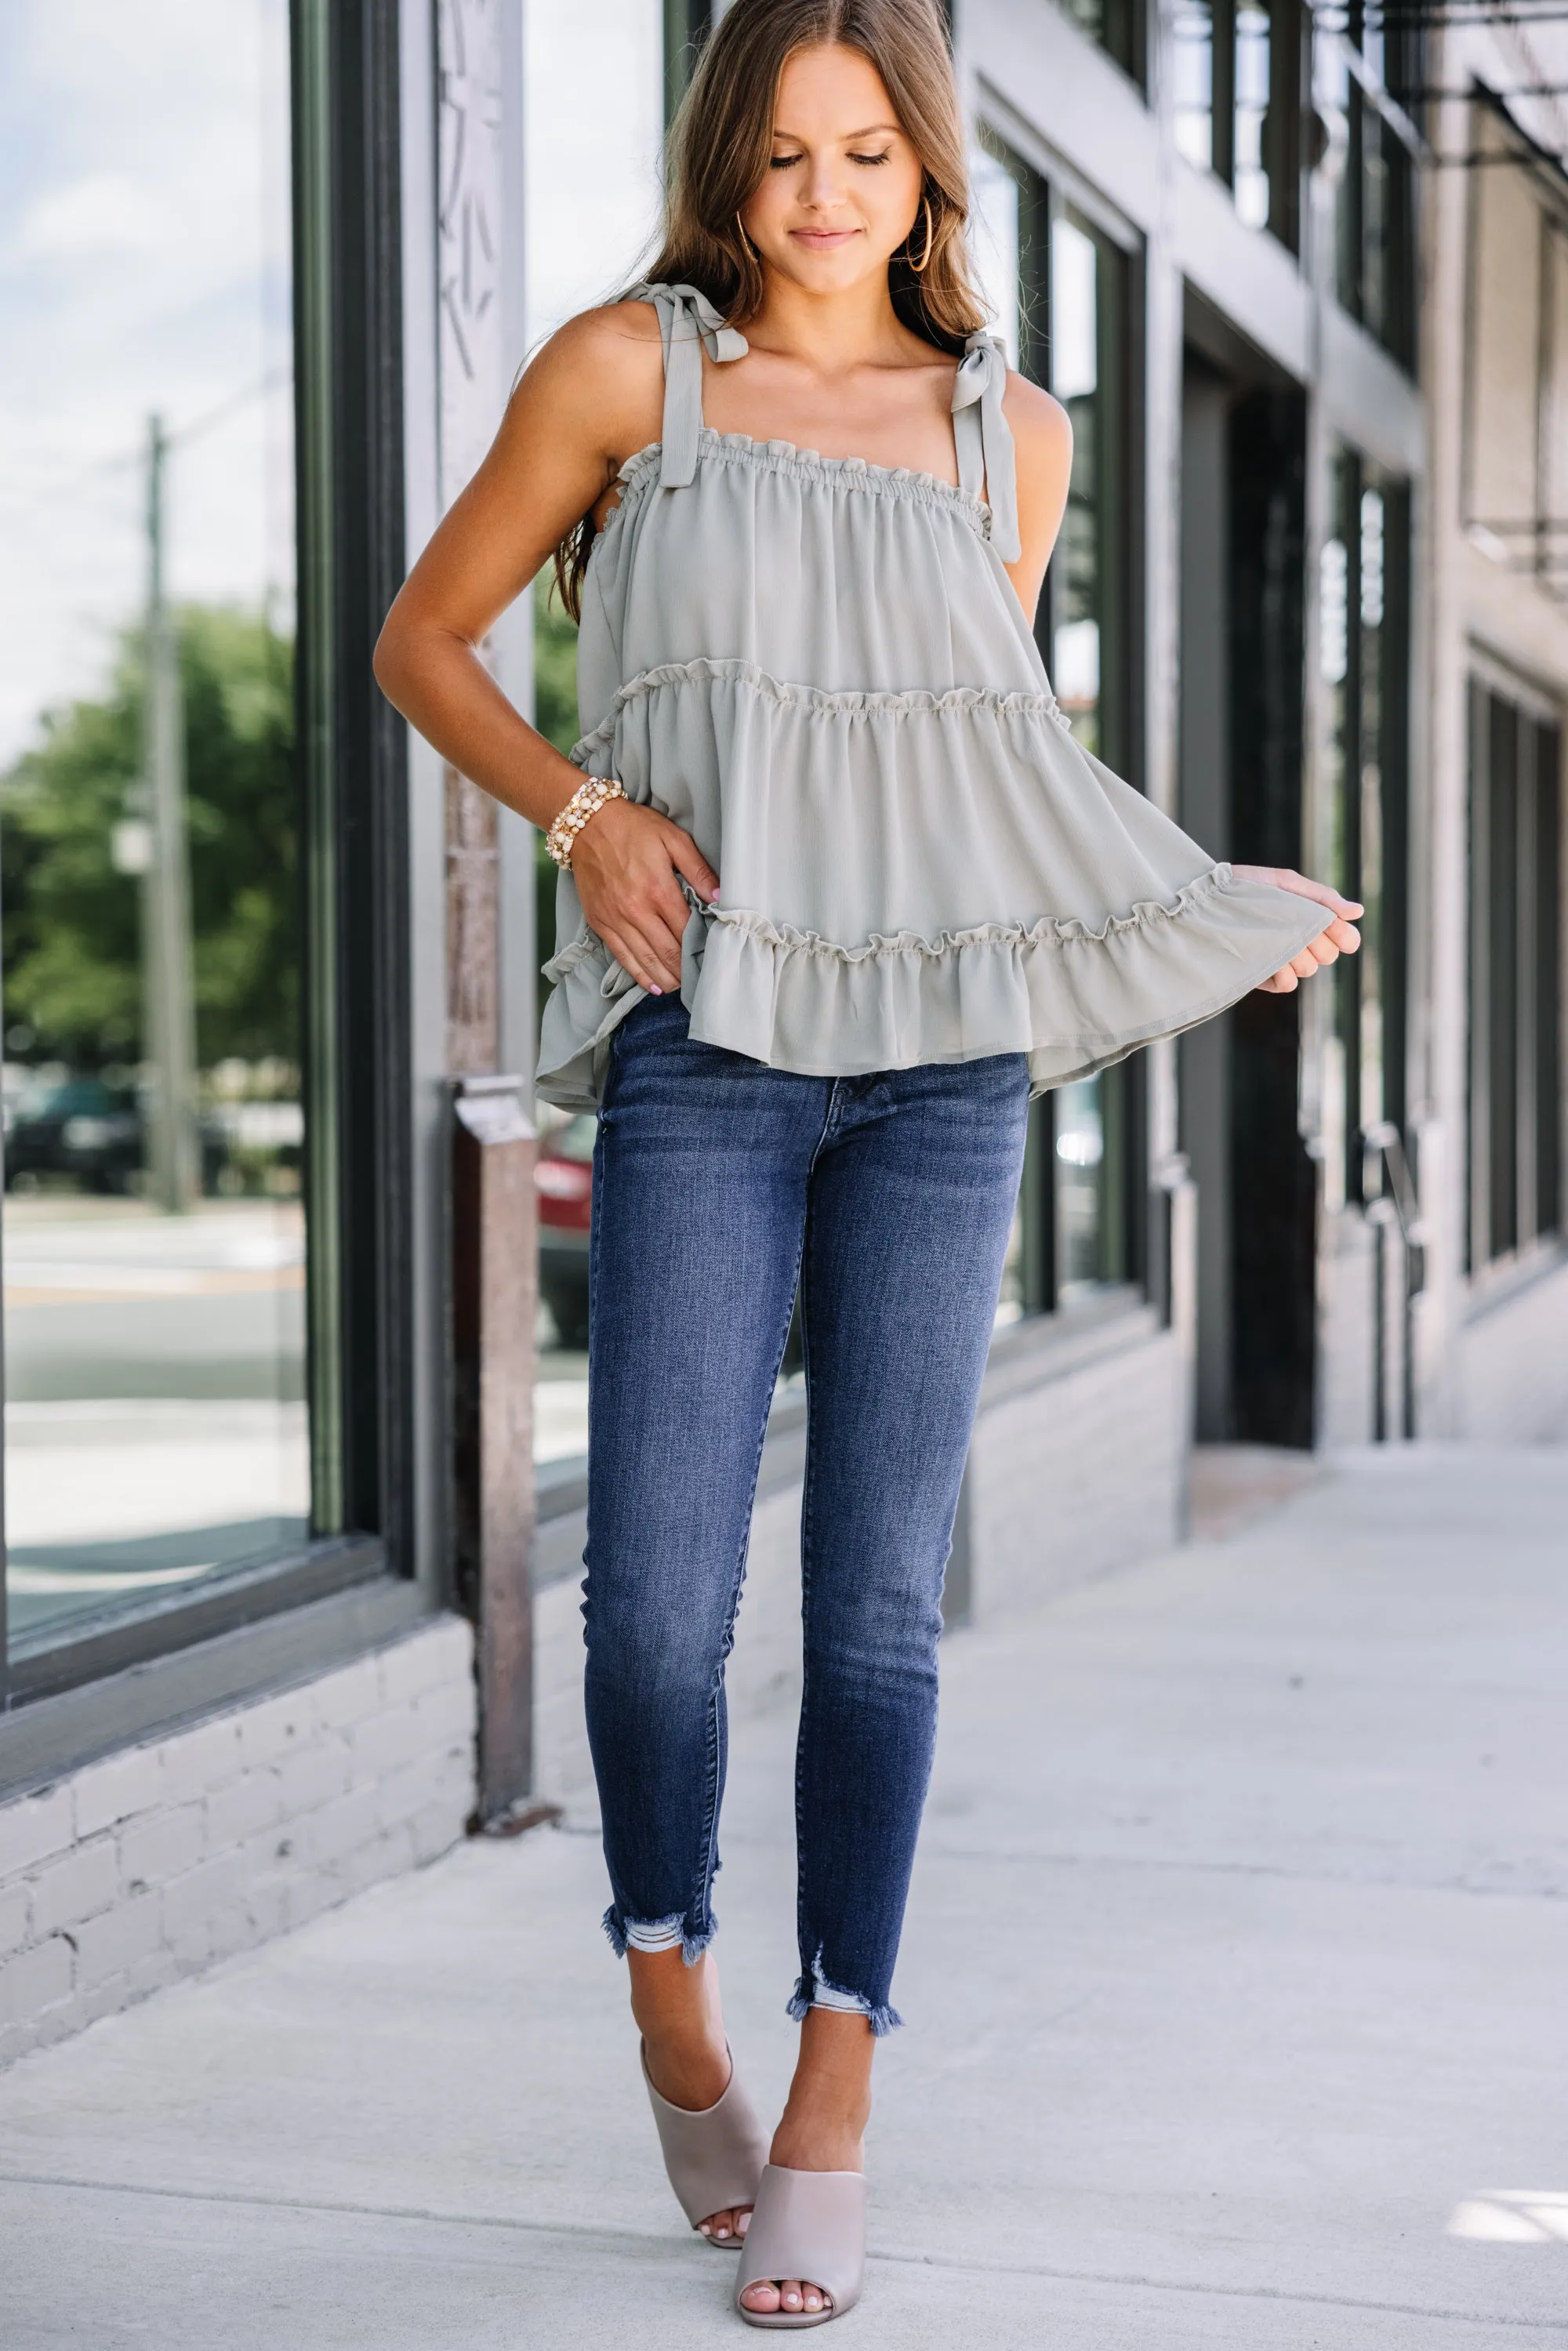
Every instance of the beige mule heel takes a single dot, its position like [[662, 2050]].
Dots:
[[809, 2225], [715, 2157]]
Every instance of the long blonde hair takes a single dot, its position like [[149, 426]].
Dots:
[[719, 150]]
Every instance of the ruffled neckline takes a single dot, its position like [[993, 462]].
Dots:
[[792, 457]]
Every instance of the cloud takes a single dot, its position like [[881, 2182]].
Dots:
[[144, 267], [592, 186], [107, 212]]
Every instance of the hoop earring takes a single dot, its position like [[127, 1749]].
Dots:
[[746, 245], [918, 269]]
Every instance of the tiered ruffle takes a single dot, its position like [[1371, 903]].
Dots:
[[1040, 905]]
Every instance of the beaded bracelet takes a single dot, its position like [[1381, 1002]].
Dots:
[[587, 800]]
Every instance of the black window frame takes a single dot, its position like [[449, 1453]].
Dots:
[[1289, 78], [352, 756], [1376, 218], [1043, 198], [1514, 1128], [1375, 720], [1122, 31]]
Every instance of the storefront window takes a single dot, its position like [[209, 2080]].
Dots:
[[1363, 655], [585, 236], [1376, 201], [1116, 25], [154, 1231], [1515, 972], [1058, 288], [1250, 169], [1192, 76], [1235, 101], [687, 23]]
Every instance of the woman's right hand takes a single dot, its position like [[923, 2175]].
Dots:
[[625, 862]]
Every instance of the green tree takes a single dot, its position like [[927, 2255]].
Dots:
[[555, 716], [70, 923], [555, 666]]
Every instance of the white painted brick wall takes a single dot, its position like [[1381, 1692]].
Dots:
[[1512, 1366], [1347, 1305], [156, 1862], [1077, 1475]]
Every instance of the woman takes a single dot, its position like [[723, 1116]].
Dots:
[[804, 513]]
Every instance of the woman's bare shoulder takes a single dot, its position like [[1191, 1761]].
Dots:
[[599, 377], [601, 336], [1042, 428]]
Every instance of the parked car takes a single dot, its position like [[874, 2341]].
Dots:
[[563, 1183], [563, 1186], [92, 1130], [79, 1126]]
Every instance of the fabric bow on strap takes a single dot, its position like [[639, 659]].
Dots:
[[986, 466], [687, 320]]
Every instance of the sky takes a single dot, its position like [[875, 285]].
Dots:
[[144, 264], [593, 170]]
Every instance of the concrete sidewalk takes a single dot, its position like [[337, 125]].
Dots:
[[1235, 1979]]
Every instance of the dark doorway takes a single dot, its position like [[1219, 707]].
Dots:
[[1242, 588]]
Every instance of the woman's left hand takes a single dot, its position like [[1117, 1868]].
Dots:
[[1340, 937]]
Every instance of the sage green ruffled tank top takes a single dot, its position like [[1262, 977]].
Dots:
[[818, 668]]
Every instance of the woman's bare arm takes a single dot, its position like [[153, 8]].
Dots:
[[1042, 445], [592, 397]]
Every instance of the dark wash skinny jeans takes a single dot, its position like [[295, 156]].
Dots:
[[717, 1182]]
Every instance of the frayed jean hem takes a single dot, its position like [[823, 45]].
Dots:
[[656, 1935], [815, 1992]]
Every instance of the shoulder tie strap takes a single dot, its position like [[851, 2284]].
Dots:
[[984, 441], [687, 320]]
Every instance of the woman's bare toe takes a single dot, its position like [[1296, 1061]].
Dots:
[[791, 2294], [727, 2228]]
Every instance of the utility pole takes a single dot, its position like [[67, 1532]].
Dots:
[[168, 1000]]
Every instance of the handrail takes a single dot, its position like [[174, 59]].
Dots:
[[1387, 1139], [1399, 1205]]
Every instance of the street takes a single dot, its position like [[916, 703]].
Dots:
[[1233, 1979], [155, 1420]]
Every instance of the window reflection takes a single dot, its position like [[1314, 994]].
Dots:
[[1376, 194], [1515, 1159], [993, 244], [1079, 560], [1192, 68], [1059, 282], [1362, 628], [1372, 521], [1235, 100], [154, 1240], [1113, 23], [1079, 1155], [1250, 175], [585, 234]]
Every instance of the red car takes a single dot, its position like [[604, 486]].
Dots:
[[563, 1186], [564, 1189]]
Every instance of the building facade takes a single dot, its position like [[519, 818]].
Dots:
[[1492, 1335], [285, 1606]]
